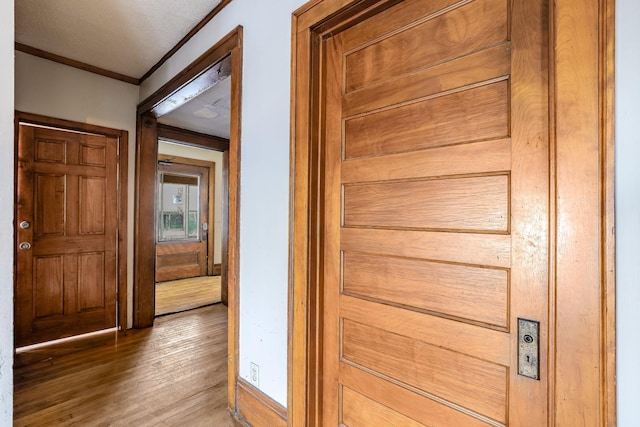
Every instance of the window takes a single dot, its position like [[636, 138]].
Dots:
[[179, 207]]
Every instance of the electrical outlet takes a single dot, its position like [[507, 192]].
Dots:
[[254, 374]]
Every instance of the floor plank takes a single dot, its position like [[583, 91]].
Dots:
[[172, 374], [185, 294]]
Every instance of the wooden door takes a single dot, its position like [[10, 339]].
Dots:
[[182, 248], [66, 234], [436, 216]]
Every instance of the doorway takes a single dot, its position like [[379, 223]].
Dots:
[[189, 243], [70, 252], [184, 216], [223, 59]]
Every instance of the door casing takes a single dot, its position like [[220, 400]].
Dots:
[[146, 163], [582, 300]]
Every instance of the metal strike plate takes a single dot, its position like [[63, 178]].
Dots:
[[529, 348]]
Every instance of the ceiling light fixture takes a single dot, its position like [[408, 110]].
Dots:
[[206, 112]]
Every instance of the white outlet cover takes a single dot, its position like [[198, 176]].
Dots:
[[254, 374]]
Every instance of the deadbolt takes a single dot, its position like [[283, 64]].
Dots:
[[25, 246], [25, 224]]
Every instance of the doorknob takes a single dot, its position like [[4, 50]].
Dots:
[[25, 224], [25, 246]]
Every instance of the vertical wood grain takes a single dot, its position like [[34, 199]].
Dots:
[[607, 95], [145, 223], [301, 394], [224, 256], [579, 390], [332, 194], [233, 266], [48, 274], [123, 228], [530, 201]]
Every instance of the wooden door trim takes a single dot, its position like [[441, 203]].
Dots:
[[146, 161], [607, 143], [212, 56], [191, 138], [212, 181], [595, 57], [30, 50], [257, 408], [123, 158]]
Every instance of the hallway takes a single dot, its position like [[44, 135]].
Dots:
[[172, 374]]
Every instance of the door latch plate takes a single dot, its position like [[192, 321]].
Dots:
[[529, 348]]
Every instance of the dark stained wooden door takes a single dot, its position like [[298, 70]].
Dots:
[[181, 258], [436, 214], [66, 234]]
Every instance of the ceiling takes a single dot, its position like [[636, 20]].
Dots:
[[207, 113], [126, 37]]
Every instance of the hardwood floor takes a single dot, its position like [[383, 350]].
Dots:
[[172, 374], [180, 295]]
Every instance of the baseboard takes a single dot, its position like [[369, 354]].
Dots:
[[258, 409], [217, 269]]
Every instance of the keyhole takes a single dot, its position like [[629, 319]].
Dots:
[[528, 359]]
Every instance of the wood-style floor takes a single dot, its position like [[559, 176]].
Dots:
[[174, 374], [185, 294]]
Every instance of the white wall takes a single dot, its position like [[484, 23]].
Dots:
[[264, 183], [628, 210], [6, 214], [51, 89], [211, 156]]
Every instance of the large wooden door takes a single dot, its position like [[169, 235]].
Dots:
[[436, 217], [183, 248], [66, 234]]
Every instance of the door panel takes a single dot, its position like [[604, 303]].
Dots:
[[184, 257], [67, 190], [472, 293], [436, 214], [471, 115], [428, 40]]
